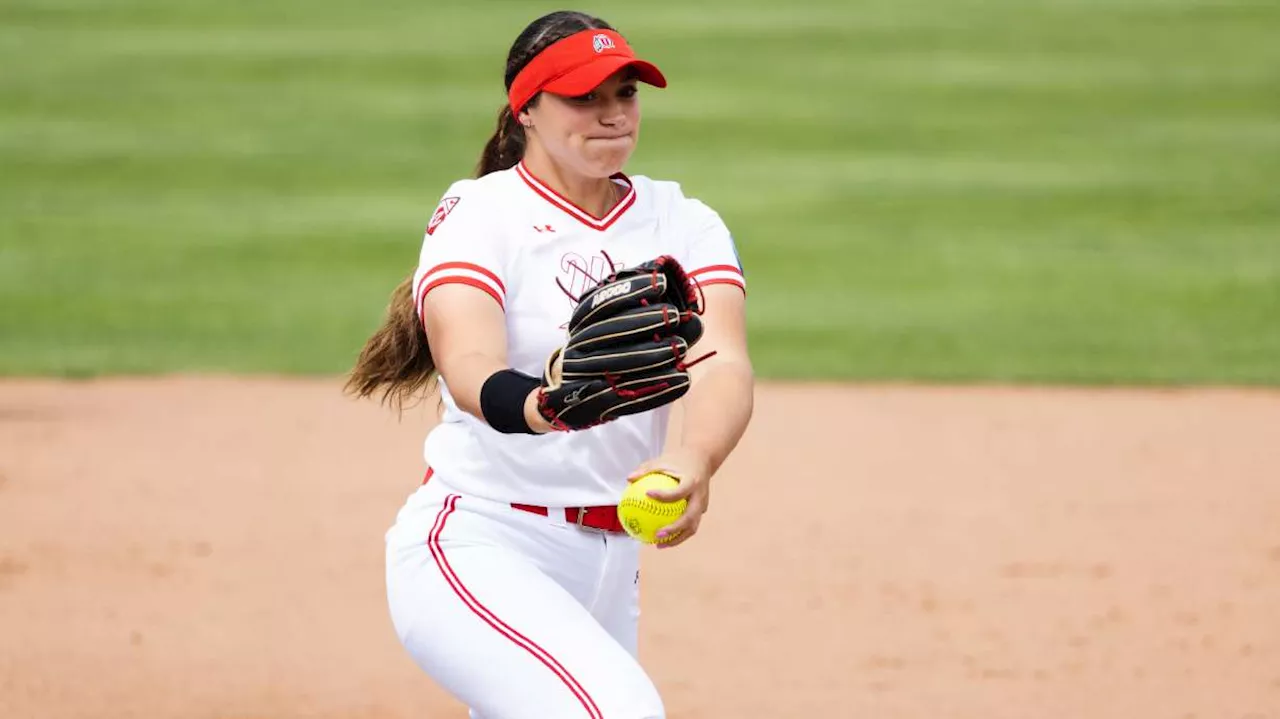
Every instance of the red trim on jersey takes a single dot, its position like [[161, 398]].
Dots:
[[466, 266], [427, 478], [716, 268], [737, 280], [457, 280], [586, 218], [723, 281], [480, 610]]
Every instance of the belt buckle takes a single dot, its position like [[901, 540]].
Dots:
[[582, 514]]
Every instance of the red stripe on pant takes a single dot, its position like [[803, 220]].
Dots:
[[433, 542]]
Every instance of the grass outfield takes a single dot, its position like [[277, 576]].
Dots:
[[1066, 191]]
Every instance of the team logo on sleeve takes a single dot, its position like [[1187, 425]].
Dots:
[[446, 206]]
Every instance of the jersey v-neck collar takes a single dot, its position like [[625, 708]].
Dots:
[[586, 218]]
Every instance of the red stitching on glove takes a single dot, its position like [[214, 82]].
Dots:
[[613, 273], [682, 366], [633, 393]]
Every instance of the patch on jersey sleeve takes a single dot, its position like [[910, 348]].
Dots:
[[446, 206]]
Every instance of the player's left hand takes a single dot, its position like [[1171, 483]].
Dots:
[[627, 347], [693, 470]]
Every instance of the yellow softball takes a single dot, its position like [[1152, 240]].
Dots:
[[643, 516]]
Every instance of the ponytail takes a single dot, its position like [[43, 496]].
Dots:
[[505, 148], [397, 358]]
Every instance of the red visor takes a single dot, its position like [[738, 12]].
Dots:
[[577, 65]]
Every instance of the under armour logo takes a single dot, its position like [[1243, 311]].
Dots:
[[544, 228], [601, 43]]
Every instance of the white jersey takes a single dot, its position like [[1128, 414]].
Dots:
[[512, 237]]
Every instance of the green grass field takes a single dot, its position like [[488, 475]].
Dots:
[[941, 190]]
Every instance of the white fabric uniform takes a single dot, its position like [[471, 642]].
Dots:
[[516, 614], [512, 237]]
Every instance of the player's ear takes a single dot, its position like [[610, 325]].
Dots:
[[523, 117]]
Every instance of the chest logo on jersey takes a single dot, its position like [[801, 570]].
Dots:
[[437, 217], [579, 274]]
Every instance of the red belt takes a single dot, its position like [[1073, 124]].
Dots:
[[601, 519]]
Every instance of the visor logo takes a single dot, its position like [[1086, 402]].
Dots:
[[602, 43]]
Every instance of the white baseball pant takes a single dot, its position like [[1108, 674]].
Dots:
[[519, 616]]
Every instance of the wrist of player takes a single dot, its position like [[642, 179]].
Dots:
[[509, 403], [513, 402], [686, 463], [701, 458], [533, 415]]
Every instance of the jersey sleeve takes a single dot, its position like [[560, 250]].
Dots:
[[712, 257], [460, 246]]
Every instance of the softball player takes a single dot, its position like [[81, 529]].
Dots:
[[509, 579]]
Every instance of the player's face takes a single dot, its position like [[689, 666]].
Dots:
[[593, 134]]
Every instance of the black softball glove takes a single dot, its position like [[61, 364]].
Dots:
[[626, 353]]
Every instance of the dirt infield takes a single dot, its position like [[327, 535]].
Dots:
[[205, 547]]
